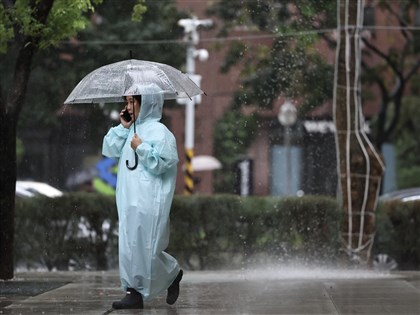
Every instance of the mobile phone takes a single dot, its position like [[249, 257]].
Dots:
[[126, 116]]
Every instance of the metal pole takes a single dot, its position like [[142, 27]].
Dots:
[[288, 160], [287, 118], [192, 39], [189, 126]]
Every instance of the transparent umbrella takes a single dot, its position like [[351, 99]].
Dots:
[[109, 83]]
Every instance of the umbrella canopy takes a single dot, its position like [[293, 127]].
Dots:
[[108, 84], [205, 163]]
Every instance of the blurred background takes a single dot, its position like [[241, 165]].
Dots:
[[265, 126], [261, 55]]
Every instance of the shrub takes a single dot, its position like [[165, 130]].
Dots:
[[398, 233], [206, 231], [52, 231], [212, 231]]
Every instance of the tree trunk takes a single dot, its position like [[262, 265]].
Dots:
[[7, 194], [10, 109], [9, 113], [360, 167]]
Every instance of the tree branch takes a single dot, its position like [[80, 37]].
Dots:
[[381, 135], [331, 43], [397, 109], [2, 107], [383, 56], [26, 49], [399, 19], [397, 93], [413, 70], [43, 10], [378, 80]]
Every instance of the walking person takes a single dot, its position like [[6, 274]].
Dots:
[[144, 195]]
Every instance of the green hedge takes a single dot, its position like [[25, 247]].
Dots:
[[230, 231], [219, 231], [49, 232], [398, 233], [206, 231]]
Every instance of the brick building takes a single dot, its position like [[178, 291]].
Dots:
[[310, 158], [312, 148]]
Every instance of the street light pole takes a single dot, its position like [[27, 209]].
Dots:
[[189, 126], [191, 37], [287, 117]]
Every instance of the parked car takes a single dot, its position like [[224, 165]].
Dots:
[[27, 189], [404, 195]]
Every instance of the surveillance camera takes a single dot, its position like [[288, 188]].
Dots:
[[205, 23], [181, 22], [202, 54], [191, 24], [184, 22]]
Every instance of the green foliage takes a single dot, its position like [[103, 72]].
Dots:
[[274, 16], [233, 134], [233, 56], [397, 69], [316, 79], [57, 71], [79, 226], [398, 233], [206, 231], [268, 73], [66, 18], [407, 145], [408, 176], [291, 67], [138, 11], [6, 30], [219, 231]]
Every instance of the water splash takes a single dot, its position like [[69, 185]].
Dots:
[[289, 272]]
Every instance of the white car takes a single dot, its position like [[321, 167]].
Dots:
[[32, 188], [404, 195]]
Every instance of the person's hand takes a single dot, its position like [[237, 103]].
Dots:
[[135, 141]]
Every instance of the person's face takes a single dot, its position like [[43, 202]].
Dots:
[[132, 102]]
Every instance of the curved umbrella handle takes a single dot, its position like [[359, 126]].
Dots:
[[136, 162]]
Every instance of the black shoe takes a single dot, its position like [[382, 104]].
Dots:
[[173, 290], [132, 300]]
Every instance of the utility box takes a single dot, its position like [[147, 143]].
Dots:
[[243, 177]]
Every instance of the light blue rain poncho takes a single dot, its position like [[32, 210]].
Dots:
[[144, 196]]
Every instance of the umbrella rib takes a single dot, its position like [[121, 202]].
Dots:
[[187, 95], [125, 77]]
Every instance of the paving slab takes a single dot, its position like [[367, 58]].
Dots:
[[221, 292]]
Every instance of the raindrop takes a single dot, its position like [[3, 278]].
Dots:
[[114, 115], [63, 109]]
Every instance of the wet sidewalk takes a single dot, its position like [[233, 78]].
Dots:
[[265, 291]]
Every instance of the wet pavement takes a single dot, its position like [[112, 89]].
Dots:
[[263, 291]]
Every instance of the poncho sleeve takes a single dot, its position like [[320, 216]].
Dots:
[[158, 155], [114, 141]]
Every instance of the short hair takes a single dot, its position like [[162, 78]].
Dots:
[[136, 97]]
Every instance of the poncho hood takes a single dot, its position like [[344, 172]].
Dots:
[[151, 102]]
